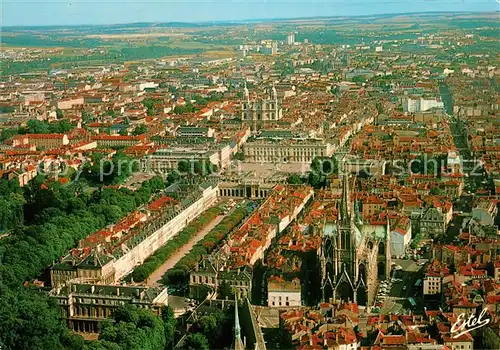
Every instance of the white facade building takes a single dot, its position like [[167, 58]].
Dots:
[[281, 293], [419, 104], [399, 241]]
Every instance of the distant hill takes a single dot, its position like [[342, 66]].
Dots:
[[122, 27]]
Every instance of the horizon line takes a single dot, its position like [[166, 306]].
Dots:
[[246, 21]]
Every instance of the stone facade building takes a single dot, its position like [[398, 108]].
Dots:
[[282, 293], [286, 151], [83, 306], [210, 273], [107, 256]]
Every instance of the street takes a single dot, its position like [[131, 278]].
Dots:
[[155, 279], [397, 299]]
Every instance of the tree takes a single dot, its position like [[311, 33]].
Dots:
[[239, 156], [27, 318], [87, 117], [149, 103], [196, 341], [173, 177], [43, 127], [139, 130], [37, 127], [207, 324], [294, 179], [7, 134], [61, 127], [183, 166], [167, 316], [59, 114], [435, 191], [225, 290], [316, 165], [134, 328]]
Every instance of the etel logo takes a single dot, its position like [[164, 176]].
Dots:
[[464, 326]]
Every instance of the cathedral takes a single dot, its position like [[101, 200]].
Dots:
[[261, 110], [354, 255]]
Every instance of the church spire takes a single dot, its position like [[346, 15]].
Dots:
[[344, 202], [238, 343], [357, 214]]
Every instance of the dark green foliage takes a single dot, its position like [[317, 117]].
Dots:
[[225, 291], [295, 179], [87, 117], [11, 205], [139, 130], [214, 325], [64, 215], [59, 221], [38, 127], [149, 103], [167, 316], [28, 320], [111, 113], [7, 134], [109, 171], [320, 169], [143, 271], [194, 167], [196, 341], [187, 108], [133, 328], [173, 177], [239, 156]]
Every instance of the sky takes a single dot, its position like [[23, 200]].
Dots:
[[74, 12]]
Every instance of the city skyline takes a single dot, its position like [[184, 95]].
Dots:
[[40, 13]]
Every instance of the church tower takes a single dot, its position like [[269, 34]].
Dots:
[[388, 261], [338, 259], [346, 242]]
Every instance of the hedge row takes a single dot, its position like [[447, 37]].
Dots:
[[152, 263], [206, 245]]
